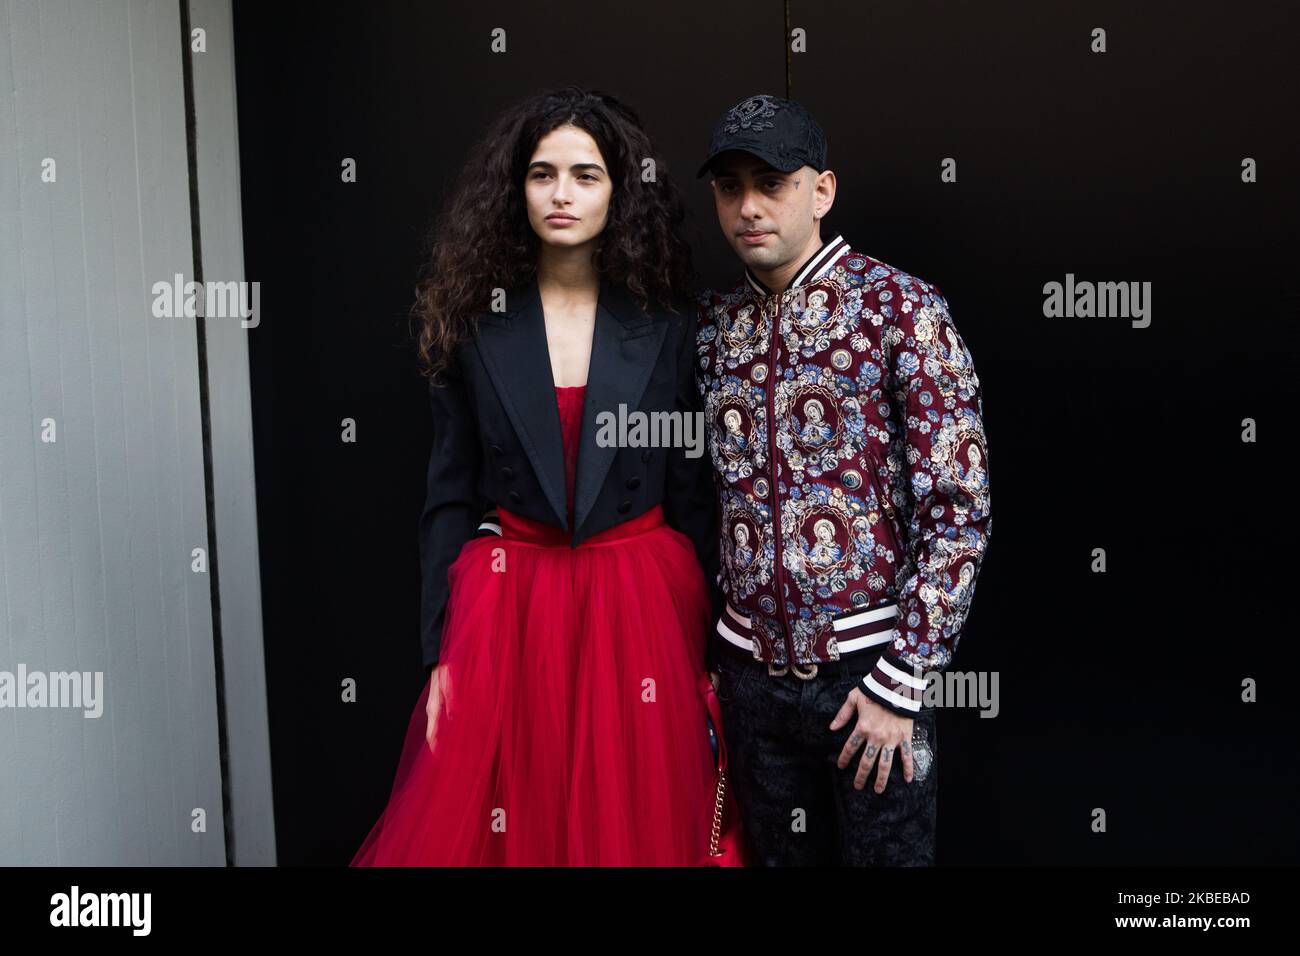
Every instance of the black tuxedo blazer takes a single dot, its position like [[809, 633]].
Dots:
[[497, 437]]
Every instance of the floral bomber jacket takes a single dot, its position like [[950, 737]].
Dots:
[[846, 428]]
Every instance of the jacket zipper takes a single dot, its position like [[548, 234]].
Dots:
[[773, 379], [887, 506]]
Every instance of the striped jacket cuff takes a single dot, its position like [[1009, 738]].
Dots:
[[895, 685], [491, 524]]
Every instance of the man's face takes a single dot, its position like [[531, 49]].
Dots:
[[766, 215]]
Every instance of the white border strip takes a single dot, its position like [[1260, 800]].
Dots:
[[866, 640], [731, 636], [821, 262], [865, 617]]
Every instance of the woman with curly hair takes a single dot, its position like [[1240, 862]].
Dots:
[[567, 717]]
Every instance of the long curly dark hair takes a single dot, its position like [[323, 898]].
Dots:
[[483, 240]]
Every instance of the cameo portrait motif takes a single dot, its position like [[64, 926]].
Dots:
[[735, 431], [826, 542], [814, 418]]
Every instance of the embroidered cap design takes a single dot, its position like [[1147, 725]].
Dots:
[[751, 113]]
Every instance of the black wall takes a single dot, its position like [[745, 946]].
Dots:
[[1118, 690]]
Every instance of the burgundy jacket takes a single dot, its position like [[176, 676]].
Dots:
[[851, 444]]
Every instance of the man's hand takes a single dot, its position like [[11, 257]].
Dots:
[[881, 730]]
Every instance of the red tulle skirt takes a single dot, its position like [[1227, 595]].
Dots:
[[571, 731]]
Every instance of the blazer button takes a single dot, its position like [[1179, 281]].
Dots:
[[645, 455], [515, 497], [634, 482], [495, 449], [624, 507], [507, 472]]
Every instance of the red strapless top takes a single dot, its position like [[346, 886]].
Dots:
[[570, 399]]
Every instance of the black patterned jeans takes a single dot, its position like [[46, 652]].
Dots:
[[782, 756]]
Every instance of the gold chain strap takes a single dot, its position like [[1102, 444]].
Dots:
[[717, 814]]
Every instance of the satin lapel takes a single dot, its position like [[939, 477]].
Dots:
[[515, 353], [624, 347]]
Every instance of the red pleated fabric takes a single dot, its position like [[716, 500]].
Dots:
[[571, 732]]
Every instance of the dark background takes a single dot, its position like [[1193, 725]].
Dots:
[[1118, 690]]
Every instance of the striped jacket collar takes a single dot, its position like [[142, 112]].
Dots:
[[817, 265]]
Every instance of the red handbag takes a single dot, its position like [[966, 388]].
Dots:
[[726, 837]]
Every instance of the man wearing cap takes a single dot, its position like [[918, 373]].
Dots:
[[846, 426]]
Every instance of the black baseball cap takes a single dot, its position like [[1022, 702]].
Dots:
[[780, 132]]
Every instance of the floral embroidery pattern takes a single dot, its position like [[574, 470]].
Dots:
[[872, 483]]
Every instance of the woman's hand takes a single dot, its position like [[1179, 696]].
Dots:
[[439, 701]]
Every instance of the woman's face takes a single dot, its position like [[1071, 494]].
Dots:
[[567, 187]]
